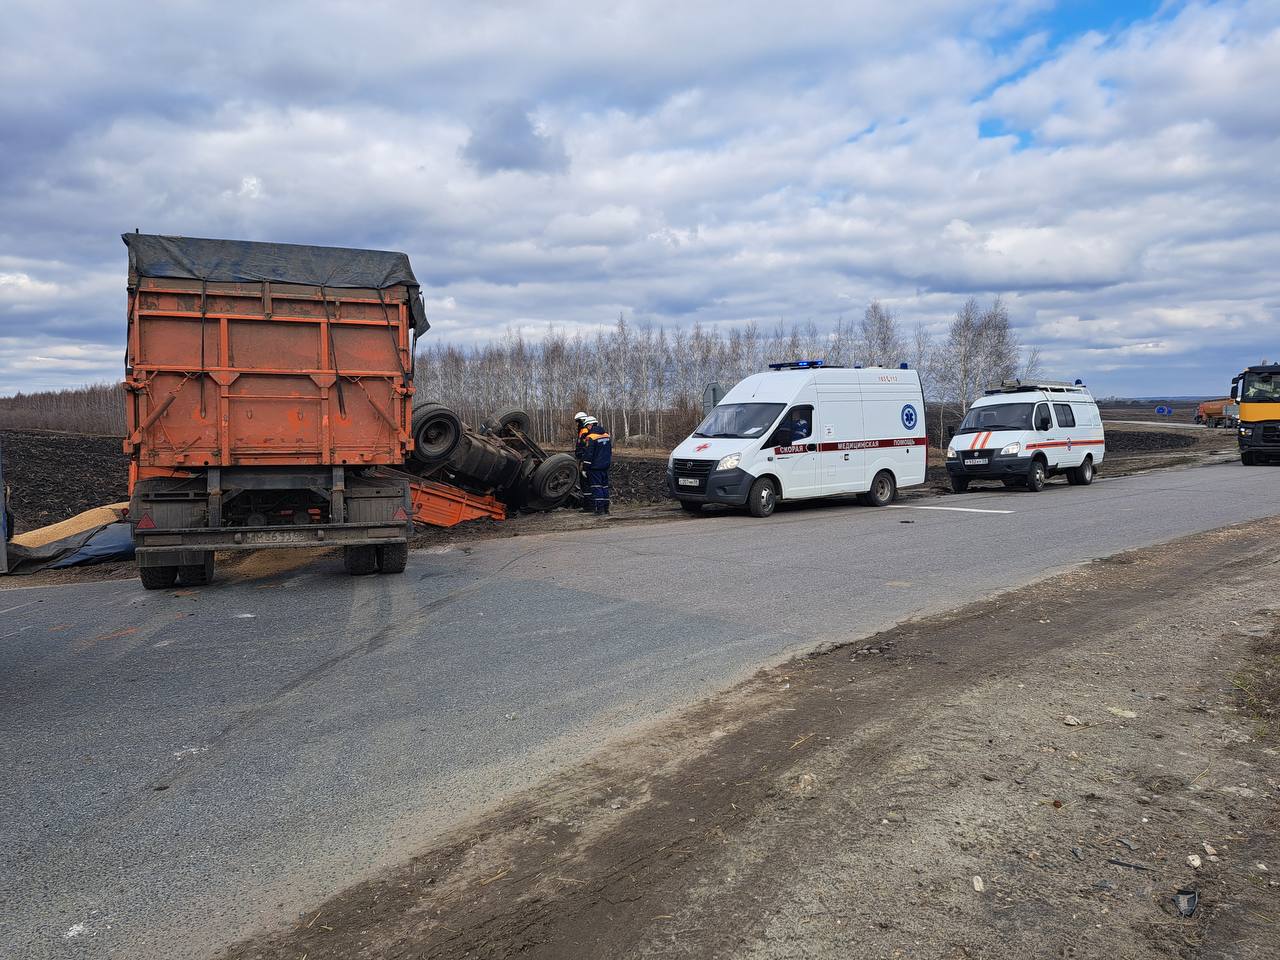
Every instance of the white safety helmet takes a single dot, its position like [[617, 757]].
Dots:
[[580, 416], [588, 421]]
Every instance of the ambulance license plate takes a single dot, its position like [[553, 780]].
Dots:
[[977, 461], [687, 481]]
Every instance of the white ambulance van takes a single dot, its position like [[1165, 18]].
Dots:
[[805, 430], [1024, 433]]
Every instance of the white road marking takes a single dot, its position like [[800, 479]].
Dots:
[[20, 606], [905, 506]]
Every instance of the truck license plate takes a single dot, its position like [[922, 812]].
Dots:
[[687, 481], [977, 461], [272, 536]]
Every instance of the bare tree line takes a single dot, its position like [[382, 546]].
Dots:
[[96, 408], [645, 382]]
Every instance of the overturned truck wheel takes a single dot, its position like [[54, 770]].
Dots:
[[553, 481], [508, 417], [436, 433]]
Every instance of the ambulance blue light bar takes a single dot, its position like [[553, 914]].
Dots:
[[797, 365]]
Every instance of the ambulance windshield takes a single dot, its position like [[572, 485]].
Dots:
[[998, 416], [744, 421]]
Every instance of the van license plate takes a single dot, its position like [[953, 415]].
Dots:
[[976, 461], [687, 481]]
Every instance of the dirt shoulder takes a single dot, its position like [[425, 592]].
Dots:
[[1023, 777]]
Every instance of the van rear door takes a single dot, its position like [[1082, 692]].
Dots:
[[793, 448]]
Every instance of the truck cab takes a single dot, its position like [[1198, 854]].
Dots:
[[1257, 390], [1023, 433]]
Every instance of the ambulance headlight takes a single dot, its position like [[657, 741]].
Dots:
[[671, 460], [951, 453], [1012, 450], [730, 462]]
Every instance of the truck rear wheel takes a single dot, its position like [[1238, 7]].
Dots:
[[393, 557], [762, 499], [197, 574], [158, 578], [361, 560]]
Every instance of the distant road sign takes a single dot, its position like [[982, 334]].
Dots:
[[1164, 411]]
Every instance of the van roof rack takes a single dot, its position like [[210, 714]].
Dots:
[[1014, 385]]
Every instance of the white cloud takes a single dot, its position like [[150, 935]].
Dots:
[[562, 162]]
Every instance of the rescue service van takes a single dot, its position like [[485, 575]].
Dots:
[[1024, 433], [805, 430]]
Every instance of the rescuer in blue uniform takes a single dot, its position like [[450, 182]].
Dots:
[[597, 458]]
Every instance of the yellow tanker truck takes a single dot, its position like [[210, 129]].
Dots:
[[1258, 392]]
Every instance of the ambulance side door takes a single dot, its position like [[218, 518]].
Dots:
[[843, 456], [793, 447]]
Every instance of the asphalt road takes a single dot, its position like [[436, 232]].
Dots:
[[181, 768]]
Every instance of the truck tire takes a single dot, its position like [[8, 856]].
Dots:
[[554, 480], [158, 578], [197, 574], [1036, 475], [437, 432], [361, 560], [959, 484], [393, 557], [763, 498], [883, 490], [1082, 475], [508, 417]]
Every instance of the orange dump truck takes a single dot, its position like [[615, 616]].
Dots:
[[265, 384]]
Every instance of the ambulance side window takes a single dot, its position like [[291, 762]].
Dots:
[[1042, 420], [796, 426], [1065, 417]]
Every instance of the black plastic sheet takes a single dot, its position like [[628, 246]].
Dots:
[[248, 261]]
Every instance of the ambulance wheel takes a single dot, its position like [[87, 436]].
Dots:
[[690, 506], [158, 578], [883, 490], [1082, 475], [959, 484], [393, 557], [360, 560], [762, 499], [1036, 476]]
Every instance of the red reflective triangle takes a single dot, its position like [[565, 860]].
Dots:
[[400, 514], [146, 523]]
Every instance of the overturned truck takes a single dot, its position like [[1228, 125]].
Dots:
[[269, 402]]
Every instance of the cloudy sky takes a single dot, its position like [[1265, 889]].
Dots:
[[1112, 168]]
